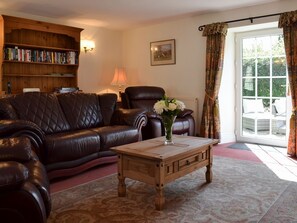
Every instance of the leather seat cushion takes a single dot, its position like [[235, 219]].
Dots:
[[68, 146], [116, 135]]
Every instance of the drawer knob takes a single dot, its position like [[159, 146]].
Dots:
[[188, 162]]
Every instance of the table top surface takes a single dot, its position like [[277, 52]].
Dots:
[[155, 148]]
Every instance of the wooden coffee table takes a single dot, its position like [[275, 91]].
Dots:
[[152, 162]]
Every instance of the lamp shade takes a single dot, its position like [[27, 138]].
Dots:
[[119, 77]]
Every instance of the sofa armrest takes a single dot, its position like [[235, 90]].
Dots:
[[184, 113], [133, 117], [15, 149], [12, 175], [15, 128]]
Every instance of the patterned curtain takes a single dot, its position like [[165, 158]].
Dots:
[[210, 123], [288, 21]]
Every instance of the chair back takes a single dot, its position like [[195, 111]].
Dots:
[[142, 97]]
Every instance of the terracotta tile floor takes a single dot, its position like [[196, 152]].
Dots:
[[275, 158]]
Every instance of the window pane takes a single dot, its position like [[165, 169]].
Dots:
[[279, 87], [263, 46], [277, 45], [248, 86], [263, 87], [266, 103], [249, 47], [263, 67], [279, 66], [248, 67]]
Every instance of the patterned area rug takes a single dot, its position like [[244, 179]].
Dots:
[[241, 191]]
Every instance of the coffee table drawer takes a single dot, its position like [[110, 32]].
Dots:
[[191, 160]]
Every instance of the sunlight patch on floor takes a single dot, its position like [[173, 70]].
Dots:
[[276, 159]]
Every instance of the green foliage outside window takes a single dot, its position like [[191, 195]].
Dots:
[[262, 51]]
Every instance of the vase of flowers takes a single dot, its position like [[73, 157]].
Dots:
[[168, 109]]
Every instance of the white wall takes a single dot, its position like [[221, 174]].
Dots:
[[227, 92], [186, 77], [96, 67]]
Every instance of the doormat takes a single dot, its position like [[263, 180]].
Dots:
[[241, 146]]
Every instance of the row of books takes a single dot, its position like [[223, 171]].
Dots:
[[44, 56]]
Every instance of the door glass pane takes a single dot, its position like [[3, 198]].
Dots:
[[263, 67], [263, 46], [279, 66], [263, 87], [249, 48], [277, 45], [248, 87], [279, 87], [248, 67]]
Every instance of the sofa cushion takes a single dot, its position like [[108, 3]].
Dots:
[[41, 108], [63, 147], [81, 110], [116, 135], [107, 105]]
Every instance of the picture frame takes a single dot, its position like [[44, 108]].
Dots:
[[163, 52]]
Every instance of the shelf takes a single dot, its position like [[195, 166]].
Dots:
[[38, 54], [38, 47], [39, 75], [41, 63]]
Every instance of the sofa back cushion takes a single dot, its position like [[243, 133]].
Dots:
[[41, 108], [143, 96], [82, 110], [108, 104]]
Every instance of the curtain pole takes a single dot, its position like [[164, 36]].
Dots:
[[200, 28]]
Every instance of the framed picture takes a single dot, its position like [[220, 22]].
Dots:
[[163, 52]]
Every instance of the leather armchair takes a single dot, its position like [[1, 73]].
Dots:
[[24, 186], [144, 97]]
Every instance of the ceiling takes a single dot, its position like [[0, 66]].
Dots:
[[122, 14]]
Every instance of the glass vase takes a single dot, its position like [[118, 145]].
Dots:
[[168, 121]]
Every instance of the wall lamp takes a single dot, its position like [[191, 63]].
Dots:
[[87, 45]]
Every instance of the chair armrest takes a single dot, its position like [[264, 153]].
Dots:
[[15, 149], [15, 128], [184, 113], [133, 117], [12, 175]]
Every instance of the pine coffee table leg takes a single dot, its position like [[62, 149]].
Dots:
[[208, 174], [159, 199], [121, 178]]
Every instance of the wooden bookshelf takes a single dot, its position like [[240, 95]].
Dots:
[[38, 54]]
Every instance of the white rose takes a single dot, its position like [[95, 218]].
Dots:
[[180, 105], [159, 107], [172, 106]]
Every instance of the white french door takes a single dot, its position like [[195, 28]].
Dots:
[[262, 88]]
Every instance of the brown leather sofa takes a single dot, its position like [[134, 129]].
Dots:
[[145, 97], [24, 186], [70, 132]]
